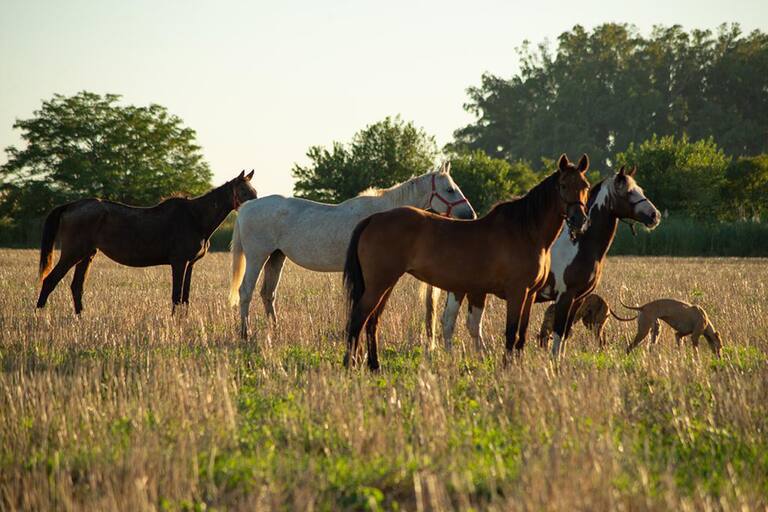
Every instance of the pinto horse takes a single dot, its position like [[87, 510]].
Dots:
[[316, 235], [506, 253], [577, 265], [174, 232]]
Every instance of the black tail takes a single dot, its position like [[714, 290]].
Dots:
[[50, 230], [353, 272]]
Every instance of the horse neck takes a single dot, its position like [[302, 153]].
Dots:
[[545, 219], [603, 223], [414, 193], [212, 208]]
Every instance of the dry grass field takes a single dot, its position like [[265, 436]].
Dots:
[[128, 408]]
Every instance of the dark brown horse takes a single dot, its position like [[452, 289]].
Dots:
[[505, 253], [175, 233]]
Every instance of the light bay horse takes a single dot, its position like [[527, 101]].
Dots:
[[506, 253], [316, 235]]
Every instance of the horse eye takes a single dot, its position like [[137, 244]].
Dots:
[[451, 190]]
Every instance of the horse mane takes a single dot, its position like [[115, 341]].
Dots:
[[527, 210], [397, 191]]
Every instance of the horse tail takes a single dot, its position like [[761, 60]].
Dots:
[[50, 230], [354, 282], [238, 264], [617, 317]]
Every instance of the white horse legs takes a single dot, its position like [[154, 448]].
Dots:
[[252, 270], [475, 326], [273, 269], [450, 312]]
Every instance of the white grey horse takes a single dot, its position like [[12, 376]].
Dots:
[[316, 235]]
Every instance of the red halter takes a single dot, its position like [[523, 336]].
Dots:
[[447, 203]]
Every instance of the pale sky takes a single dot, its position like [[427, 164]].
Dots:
[[260, 82]]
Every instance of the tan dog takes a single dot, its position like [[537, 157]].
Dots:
[[593, 313], [686, 319]]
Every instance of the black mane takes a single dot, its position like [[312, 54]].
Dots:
[[528, 209]]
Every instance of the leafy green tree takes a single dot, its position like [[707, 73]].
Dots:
[[679, 175], [599, 91], [380, 155], [485, 180], [746, 188], [88, 145]]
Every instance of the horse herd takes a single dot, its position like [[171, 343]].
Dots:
[[548, 245]]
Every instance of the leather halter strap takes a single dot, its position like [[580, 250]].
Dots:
[[638, 201], [449, 204]]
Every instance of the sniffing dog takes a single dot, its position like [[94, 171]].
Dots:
[[686, 319], [593, 313]]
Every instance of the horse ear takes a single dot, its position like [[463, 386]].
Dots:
[[242, 173], [621, 171], [563, 163], [447, 167], [633, 171], [249, 175], [583, 164]]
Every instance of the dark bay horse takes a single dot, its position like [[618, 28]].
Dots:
[[174, 232], [506, 253], [577, 265]]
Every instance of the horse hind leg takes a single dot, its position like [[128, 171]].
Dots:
[[273, 269], [371, 332], [67, 259], [253, 265], [81, 273]]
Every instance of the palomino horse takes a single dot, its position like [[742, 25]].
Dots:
[[175, 233], [316, 235], [505, 253], [577, 265]]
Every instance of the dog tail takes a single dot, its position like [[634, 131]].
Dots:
[[617, 317], [636, 308]]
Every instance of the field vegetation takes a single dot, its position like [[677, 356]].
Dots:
[[129, 408]]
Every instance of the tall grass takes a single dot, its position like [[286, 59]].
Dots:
[[130, 408]]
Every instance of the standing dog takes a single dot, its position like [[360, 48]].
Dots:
[[686, 319], [593, 313]]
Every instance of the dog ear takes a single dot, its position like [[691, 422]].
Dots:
[[249, 175], [583, 164], [563, 163]]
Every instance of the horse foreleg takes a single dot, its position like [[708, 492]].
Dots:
[[178, 269], [515, 301], [81, 272], [524, 318], [273, 269], [450, 312], [187, 283]]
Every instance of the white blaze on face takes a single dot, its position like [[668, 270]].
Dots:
[[635, 194]]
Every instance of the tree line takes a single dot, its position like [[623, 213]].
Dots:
[[689, 108]]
